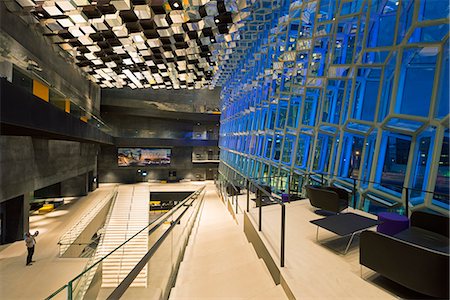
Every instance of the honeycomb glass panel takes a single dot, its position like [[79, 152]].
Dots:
[[350, 163], [386, 88], [433, 9], [332, 102], [416, 81], [288, 147], [277, 148], [303, 146], [268, 146], [441, 189], [282, 114], [421, 167], [294, 111], [366, 93], [353, 88], [322, 153], [310, 107], [443, 97], [368, 159], [392, 162]]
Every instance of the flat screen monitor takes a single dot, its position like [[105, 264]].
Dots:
[[141, 157]]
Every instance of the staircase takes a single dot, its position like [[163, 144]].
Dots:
[[129, 215], [219, 262]]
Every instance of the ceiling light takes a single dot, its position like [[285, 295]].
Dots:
[[121, 4], [176, 5], [65, 22], [66, 5], [94, 48], [85, 40], [51, 9], [216, 20], [75, 31], [77, 17], [87, 29], [113, 20]]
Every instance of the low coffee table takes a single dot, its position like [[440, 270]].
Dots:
[[345, 224]]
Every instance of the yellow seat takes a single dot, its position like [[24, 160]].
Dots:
[[163, 181], [46, 208]]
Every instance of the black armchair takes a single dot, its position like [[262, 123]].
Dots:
[[329, 200]]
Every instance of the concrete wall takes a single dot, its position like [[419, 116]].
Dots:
[[28, 164], [144, 127], [179, 100], [181, 162], [22, 41]]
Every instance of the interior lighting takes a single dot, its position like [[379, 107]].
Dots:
[[77, 17], [176, 5], [75, 31], [51, 9], [66, 5], [65, 22]]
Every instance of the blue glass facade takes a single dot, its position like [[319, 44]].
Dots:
[[348, 89]]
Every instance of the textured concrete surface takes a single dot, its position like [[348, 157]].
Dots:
[[28, 164]]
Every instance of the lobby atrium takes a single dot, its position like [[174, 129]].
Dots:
[[224, 149]]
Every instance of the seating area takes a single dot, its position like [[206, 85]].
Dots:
[[401, 249], [417, 257], [48, 207], [328, 199]]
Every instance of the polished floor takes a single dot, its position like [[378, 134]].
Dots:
[[313, 270], [49, 272], [317, 269]]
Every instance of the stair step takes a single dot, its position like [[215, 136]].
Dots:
[[272, 293], [244, 281], [129, 216], [212, 267]]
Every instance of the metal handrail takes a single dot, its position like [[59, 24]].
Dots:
[[128, 280], [236, 201], [355, 180], [274, 197], [72, 234], [94, 256], [373, 182], [162, 219]]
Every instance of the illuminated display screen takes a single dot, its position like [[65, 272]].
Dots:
[[140, 157]]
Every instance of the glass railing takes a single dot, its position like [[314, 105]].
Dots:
[[258, 196], [168, 237], [57, 98], [266, 198], [73, 233]]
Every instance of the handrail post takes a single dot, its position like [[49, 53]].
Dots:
[[354, 193], [283, 233], [237, 202], [69, 290], [321, 178], [289, 188], [260, 214], [248, 195], [407, 202]]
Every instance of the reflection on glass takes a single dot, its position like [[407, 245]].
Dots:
[[442, 190], [395, 158]]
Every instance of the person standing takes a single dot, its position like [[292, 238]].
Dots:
[[30, 241]]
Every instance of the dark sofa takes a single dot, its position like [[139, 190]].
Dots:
[[327, 198], [417, 258]]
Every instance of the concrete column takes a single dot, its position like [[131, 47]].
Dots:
[[27, 197], [12, 219]]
